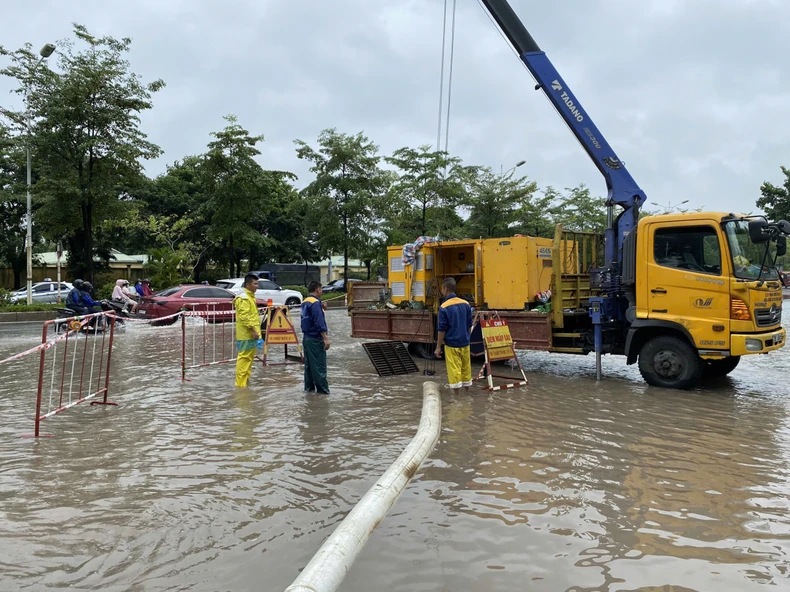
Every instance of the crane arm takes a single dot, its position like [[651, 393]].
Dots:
[[622, 189]]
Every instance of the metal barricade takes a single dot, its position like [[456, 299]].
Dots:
[[74, 367], [208, 336]]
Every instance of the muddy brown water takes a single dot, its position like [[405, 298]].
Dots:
[[568, 484]]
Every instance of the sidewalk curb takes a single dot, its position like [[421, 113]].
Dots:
[[27, 317]]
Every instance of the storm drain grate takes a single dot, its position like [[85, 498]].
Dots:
[[390, 358]]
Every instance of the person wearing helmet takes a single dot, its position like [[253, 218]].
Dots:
[[74, 299], [87, 301]]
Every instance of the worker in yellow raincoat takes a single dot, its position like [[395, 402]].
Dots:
[[248, 329]]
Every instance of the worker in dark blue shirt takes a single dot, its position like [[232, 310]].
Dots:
[[315, 339], [454, 330]]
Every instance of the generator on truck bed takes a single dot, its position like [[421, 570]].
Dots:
[[684, 295]]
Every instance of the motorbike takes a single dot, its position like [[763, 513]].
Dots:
[[117, 308]]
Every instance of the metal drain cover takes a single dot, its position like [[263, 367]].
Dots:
[[390, 358]]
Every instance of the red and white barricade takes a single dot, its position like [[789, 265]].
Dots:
[[74, 364], [208, 335]]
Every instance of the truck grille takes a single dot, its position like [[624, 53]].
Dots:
[[766, 317]]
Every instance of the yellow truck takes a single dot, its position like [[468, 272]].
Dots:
[[684, 295], [701, 291]]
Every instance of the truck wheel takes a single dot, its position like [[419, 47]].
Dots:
[[718, 368], [423, 350], [669, 362]]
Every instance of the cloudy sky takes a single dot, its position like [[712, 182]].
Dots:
[[693, 95]]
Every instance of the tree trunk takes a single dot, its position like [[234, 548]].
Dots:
[[199, 268], [367, 264], [18, 276], [232, 257], [87, 243]]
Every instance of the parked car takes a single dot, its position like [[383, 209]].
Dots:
[[338, 285], [43, 293], [188, 297], [266, 289]]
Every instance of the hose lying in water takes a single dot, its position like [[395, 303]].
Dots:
[[329, 565]]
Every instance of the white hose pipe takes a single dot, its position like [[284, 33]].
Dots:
[[331, 563]]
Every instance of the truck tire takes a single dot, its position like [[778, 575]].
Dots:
[[719, 368], [422, 350], [669, 362]]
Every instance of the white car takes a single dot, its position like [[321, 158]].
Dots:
[[266, 289], [43, 293]]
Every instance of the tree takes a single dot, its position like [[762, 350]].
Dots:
[[535, 216], [343, 197], [429, 187], [13, 207], [578, 210], [775, 201], [238, 191], [85, 134], [495, 202]]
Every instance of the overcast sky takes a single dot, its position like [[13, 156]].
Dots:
[[692, 95]]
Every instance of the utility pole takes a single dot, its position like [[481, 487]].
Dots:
[[45, 52]]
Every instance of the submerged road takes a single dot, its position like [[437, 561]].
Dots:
[[568, 484]]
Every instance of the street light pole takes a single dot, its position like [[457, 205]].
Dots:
[[45, 52], [670, 207], [513, 168]]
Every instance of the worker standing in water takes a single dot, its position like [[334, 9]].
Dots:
[[248, 329], [315, 339], [454, 330]]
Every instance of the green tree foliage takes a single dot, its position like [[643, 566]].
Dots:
[[240, 195], [13, 207], [578, 210], [85, 133], [426, 191], [495, 202], [348, 185], [775, 200]]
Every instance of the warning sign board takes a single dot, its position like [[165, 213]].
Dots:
[[280, 330], [497, 338]]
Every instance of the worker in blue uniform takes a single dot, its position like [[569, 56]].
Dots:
[[454, 330], [315, 339]]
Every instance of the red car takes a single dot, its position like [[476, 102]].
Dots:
[[188, 297]]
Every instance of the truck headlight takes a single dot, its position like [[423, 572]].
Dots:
[[754, 345]]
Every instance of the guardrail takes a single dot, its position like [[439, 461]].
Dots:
[[331, 563]]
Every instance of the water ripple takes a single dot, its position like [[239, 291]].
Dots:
[[569, 484]]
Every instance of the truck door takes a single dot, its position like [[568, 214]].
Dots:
[[686, 284]]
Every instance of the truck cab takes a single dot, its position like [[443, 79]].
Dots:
[[705, 289]]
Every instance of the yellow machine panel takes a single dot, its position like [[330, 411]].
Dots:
[[420, 281], [516, 268]]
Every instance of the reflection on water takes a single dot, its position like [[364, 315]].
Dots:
[[566, 485]]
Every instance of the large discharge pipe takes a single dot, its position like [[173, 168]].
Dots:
[[331, 563]]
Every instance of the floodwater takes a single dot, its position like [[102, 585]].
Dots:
[[568, 484]]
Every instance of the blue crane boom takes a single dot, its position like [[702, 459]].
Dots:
[[622, 189]]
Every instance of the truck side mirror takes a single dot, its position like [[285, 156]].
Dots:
[[757, 230], [781, 246], [784, 226]]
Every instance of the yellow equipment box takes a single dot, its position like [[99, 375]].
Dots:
[[516, 268]]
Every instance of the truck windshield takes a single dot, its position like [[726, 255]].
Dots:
[[747, 257]]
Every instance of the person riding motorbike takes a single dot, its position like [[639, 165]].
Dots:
[[87, 301], [74, 298], [120, 296]]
